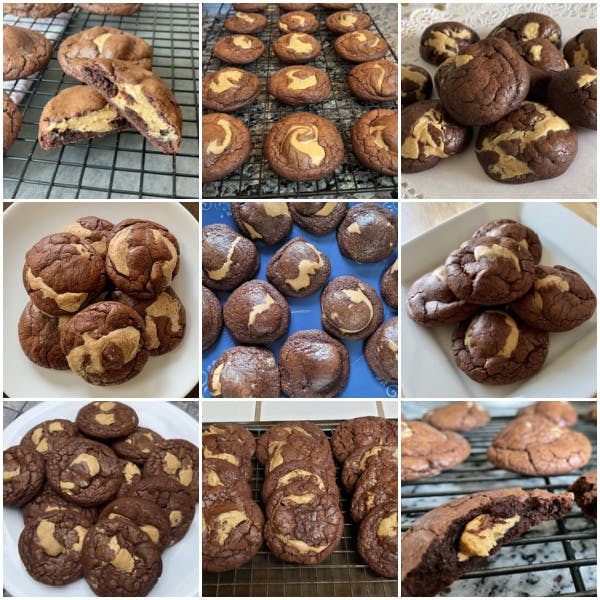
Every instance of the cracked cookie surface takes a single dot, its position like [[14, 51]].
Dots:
[[25, 52]]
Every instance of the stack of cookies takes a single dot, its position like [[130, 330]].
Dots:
[[304, 523], [64, 473], [232, 523], [368, 449]]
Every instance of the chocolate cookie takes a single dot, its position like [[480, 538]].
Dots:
[[296, 48], [51, 548], [228, 89], [457, 416], [83, 471], [230, 443], [118, 558], [559, 300], [582, 49], [429, 135], [35, 10], [528, 26], [534, 445], [377, 485], [104, 343], [378, 539], [238, 49], [526, 237], [376, 81], [23, 475], [529, 144], [427, 452], [375, 140], [130, 475], [25, 52], [12, 121], [228, 259], [113, 9], [106, 420], [250, 6], [445, 40], [49, 501], [212, 318], [592, 414], [218, 472], [489, 270], [243, 22], [572, 95], [269, 222], [304, 147], [381, 351], [142, 258], [360, 432], [585, 489], [468, 91], [103, 42], [318, 218], [495, 348], [561, 413], [299, 21], [62, 274], [359, 460], [416, 84], [41, 437], [299, 85], [95, 230], [344, 21], [368, 233], [298, 269], [137, 445], [360, 46], [458, 536]]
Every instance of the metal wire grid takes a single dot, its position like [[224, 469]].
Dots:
[[256, 179], [476, 474], [122, 165], [342, 574]]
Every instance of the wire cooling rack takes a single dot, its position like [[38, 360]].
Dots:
[[256, 179], [555, 558], [122, 165], [342, 574]]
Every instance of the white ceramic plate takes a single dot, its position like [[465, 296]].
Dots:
[[181, 563], [172, 375], [428, 370]]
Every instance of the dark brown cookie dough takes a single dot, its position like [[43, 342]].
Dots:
[[572, 94], [106, 420], [41, 437], [377, 81], [228, 259], [296, 48], [23, 475], [228, 89], [239, 49], [344, 21], [489, 270], [113, 9], [95, 230], [217, 472], [381, 351], [377, 485], [467, 91], [378, 539], [298, 85], [299, 21], [429, 135], [526, 237], [12, 121], [375, 140], [318, 218], [457, 416], [559, 300], [298, 268], [444, 40], [104, 343], [360, 46], [243, 22], [49, 501], [228, 432], [137, 445], [360, 432], [561, 413], [269, 222], [35, 10], [362, 458], [212, 318], [528, 26], [534, 445], [62, 274], [25, 52], [416, 84], [582, 49], [585, 489], [529, 144]]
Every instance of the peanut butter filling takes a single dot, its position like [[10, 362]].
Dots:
[[300, 83], [97, 121], [481, 535], [222, 271], [227, 522], [91, 462], [123, 560], [67, 301], [309, 146], [306, 269], [297, 44], [258, 309], [8, 475], [495, 252]]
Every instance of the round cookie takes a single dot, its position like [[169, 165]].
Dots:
[[444, 40], [228, 89], [457, 416], [227, 432], [212, 318], [83, 471], [41, 437], [318, 218], [389, 285], [559, 300], [368, 233], [360, 46], [416, 84], [137, 445], [296, 48], [489, 270], [62, 274], [25, 52], [269, 222], [375, 140], [228, 259], [304, 147], [360, 432], [526, 237], [299, 6], [585, 489], [218, 472], [378, 539], [534, 445], [243, 22], [130, 475], [528, 26], [344, 21], [298, 85], [239, 49], [364, 457], [106, 420], [298, 268], [529, 144], [582, 49], [572, 95], [12, 121], [95, 230], [376, 81], [427, 451], [104, 343], [34, 10], [49, 501], [560, 412], [113, 9], [494, 348], [377, 485], [298, 21], [250, 6], [23, 475], [381, 351]]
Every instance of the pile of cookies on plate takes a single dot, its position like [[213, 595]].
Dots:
[[102, 498], [101, 300], [302, 146], [526, 96], [503, 301]]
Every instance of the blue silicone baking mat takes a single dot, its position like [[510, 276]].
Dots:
[[306, 312]]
